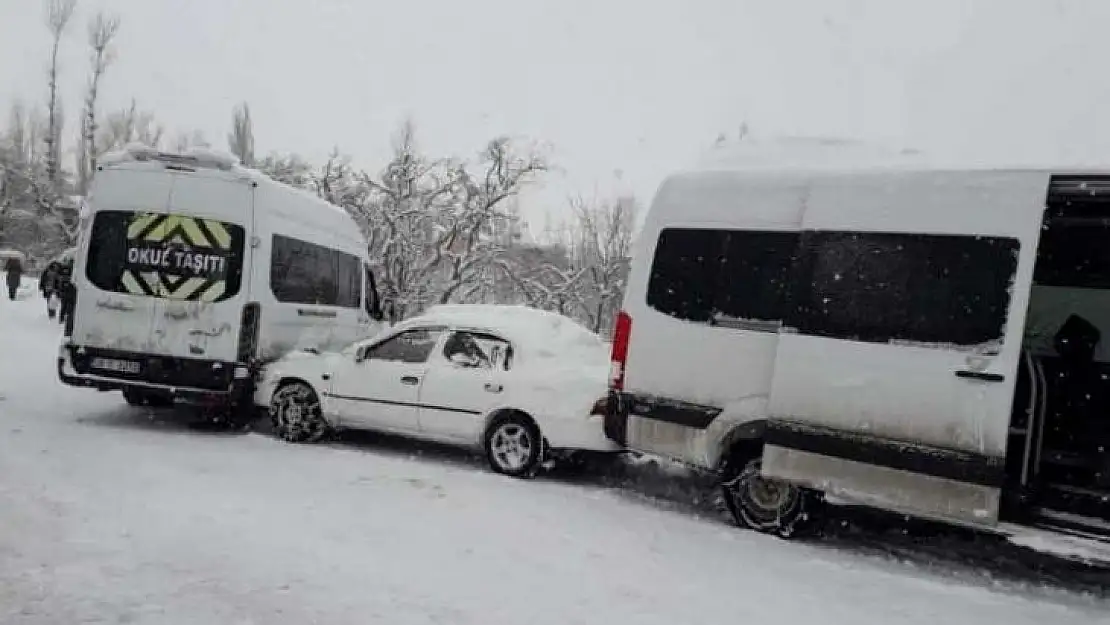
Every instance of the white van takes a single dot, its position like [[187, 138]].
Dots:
[[191, 272], [921, 341]]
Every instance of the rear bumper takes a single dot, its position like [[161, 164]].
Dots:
[[615, 420], [578, 434], [181, 377]]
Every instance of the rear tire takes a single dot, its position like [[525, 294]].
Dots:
[[296, 414], [766, 505], [514, 446]]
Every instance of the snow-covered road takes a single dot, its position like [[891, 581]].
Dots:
[[112, 514]]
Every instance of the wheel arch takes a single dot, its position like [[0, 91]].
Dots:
[[745, 439], [295, 379], [505, 411]]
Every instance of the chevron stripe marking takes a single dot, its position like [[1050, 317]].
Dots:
[[219, 233], [131, 285], [139, 224], [192, 232]]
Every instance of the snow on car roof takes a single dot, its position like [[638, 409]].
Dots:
[[527, 326]]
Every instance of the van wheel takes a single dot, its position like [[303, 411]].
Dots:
[[514, 446], [766, 505], [296, 414]]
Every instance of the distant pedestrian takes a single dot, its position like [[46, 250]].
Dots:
[[14, 269], [63, 287], [48, 284]]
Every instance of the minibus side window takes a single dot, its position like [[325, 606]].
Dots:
[[307, 273], [935, 290]]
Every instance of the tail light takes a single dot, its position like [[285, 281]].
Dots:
[[622, 333], [248, 332]]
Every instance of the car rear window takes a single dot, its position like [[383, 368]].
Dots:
[[167, 256]]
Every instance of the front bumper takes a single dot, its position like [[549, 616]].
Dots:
[[181, 377]]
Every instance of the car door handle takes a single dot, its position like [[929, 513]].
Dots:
[[494, 388], [411, 380], [985, 376]]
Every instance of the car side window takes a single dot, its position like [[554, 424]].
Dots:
[[411, 346], [470, 349]]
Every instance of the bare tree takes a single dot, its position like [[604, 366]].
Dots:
[[102, 30], [602, 248], [186, 140], [240, 141], [58, 15], [470, 244], [129, 125], [437, 226]]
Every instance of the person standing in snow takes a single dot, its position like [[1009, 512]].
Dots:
[[14, 269], [48, 286], [63, 286]]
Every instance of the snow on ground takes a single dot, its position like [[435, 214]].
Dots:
[[113, 514]]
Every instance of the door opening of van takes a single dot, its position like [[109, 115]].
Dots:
[[1059, 447]]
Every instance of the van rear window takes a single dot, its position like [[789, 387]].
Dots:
[[723, 277], [165, 255]]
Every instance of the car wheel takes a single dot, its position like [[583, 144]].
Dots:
[[514, 446], [766, 505], [296, 414]]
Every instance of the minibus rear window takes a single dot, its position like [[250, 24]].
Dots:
[[723, 277], [165, 255]]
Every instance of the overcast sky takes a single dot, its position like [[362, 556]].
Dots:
[[623, 90]]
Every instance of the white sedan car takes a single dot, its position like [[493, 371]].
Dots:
[[516, 381]]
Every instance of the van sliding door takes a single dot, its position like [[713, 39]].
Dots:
[[895, 377]]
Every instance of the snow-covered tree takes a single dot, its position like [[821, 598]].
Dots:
[[290, 169], [436, 226], [102, 30], [58, 15], [240, 141], [129, 125]]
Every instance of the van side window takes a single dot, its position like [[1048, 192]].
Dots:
[[919, 288], [722, 277], [306, 273]]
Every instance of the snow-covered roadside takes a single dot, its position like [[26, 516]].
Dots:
[[111, 514]]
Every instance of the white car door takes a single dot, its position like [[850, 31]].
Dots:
[[381, 390], [464, 381]]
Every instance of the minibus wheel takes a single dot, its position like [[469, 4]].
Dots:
[[296, 414], [762, 504]]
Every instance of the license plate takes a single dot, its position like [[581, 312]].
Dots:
[[114, 364]]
